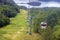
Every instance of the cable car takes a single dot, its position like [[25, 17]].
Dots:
[[43, 25]]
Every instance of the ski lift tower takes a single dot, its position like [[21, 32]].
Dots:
[[31, 3], [34, 3]]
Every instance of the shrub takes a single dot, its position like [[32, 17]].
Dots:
[[4, 20]]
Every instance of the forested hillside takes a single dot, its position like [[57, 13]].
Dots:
[[52, 17], [18, 27], [8, 9]]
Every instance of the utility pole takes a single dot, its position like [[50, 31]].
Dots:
[[30, 22], [30, 18]]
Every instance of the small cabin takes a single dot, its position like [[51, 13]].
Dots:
[[43, 25]]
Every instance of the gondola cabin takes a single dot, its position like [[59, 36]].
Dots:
[[43, 25]]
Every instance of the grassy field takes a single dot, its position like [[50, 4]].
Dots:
[[17, 30]]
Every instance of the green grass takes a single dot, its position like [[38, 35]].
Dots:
[[17, 29], [15, 25]]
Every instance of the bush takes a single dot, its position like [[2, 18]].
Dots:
[[9, 11], [4, 20]]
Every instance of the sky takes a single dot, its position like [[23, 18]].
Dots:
[[44, 3], [50, 0]]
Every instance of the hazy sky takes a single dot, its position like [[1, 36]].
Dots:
[[44, 3], [50, 0]]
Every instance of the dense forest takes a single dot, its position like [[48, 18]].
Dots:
[[8, 9], [49, 15]]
